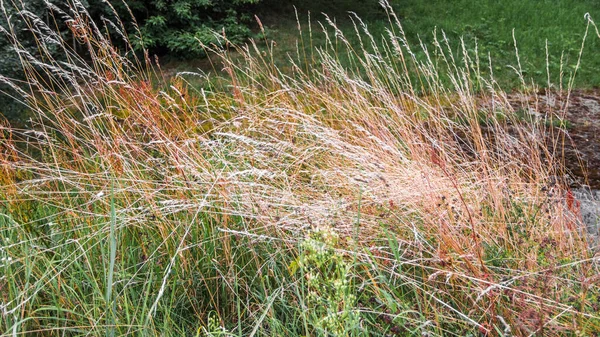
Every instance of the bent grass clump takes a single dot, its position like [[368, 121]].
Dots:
[[143, 205]]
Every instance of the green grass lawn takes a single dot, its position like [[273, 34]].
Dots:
[[487, 23], [490, 23]]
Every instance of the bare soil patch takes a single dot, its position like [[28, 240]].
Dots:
[[575, 118]]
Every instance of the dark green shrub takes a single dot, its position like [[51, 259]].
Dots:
[[180, 27]]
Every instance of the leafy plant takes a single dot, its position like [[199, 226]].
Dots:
[[181, 27], [331, 296]]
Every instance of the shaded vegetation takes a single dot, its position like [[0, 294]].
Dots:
[[181, 27]]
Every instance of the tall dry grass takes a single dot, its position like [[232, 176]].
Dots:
[[141, 204]]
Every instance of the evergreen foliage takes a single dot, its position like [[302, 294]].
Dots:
[[180, 27]]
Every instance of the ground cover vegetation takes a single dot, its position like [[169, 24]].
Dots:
[[371, 197]]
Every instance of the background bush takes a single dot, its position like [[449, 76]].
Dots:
[[174, 27], [178, 26], [15, 28]]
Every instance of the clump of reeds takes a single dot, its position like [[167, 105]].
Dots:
[[139, 204]]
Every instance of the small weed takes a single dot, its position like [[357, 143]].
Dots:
[[330, 291]]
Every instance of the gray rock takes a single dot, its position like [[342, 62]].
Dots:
[[590, 211]]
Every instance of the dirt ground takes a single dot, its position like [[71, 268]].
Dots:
[[581, 112]]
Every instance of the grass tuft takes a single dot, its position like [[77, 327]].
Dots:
[[388, 194]]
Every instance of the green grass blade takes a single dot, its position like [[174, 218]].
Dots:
[[110, 330]]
